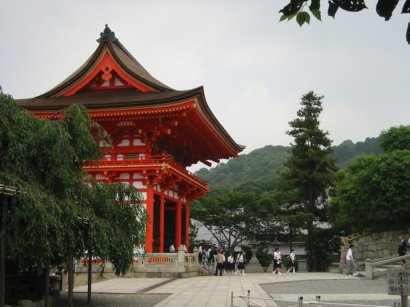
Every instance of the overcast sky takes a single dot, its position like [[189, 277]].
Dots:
[[254, 68]]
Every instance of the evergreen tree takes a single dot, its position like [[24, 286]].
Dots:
[[373, 192], [310, 170]]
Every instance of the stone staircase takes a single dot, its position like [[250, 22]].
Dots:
[[378, 268]]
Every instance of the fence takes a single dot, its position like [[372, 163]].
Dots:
[[264, 302], [372, 266]]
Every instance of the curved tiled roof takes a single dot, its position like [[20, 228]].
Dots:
[[158, 95], [123, 58]]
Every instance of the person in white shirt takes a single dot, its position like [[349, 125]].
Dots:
[[292, 261], [240, 260], [349, 261], [172, 248], [231, 264], [277, 261]]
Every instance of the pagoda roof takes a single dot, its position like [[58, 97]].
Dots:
[[105, 99], [121, 55], [138, 91]]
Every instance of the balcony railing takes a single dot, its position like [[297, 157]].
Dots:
[[156, 162]]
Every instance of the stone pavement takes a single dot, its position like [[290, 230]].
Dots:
[[216, 291]]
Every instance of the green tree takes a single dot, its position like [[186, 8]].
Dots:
[[222, 212], [301, 9], [56, 216], [310, 171], [234, 216], [373, 193], [396, 138]]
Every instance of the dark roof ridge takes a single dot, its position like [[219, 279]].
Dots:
[[107, 34], [122, 55]]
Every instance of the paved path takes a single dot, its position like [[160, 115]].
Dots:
[[216, 291]]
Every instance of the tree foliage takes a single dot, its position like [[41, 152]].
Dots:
[[115, 222], [373, 193], [301, 9], [310, 171], [233, 216], [55, 214], [396, 138], [260, 168]]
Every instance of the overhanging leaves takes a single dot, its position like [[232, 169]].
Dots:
[[385, 8]]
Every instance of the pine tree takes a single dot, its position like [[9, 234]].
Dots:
[[310, 171]]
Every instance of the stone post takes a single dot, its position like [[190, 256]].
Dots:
[[195, 251], [368, 268], [181, 256]]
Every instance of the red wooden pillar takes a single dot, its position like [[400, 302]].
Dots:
[[187, 214], [161, 223], [149, 235], [178, 222]]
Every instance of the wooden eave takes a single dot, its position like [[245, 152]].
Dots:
[[145, 98], [121, 102]]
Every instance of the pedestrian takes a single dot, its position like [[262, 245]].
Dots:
[[200, 254], [402, 246], [220, 259], [205, 257], [277, 261], [211, 259], [172, 248], [231, 264], [292, 261], [349, 261], [240, 260]]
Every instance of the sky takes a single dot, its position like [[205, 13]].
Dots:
[[254, 69]]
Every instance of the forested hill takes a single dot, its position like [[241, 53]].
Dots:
[[264, 163]]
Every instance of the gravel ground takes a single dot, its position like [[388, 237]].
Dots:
[[111, 300]]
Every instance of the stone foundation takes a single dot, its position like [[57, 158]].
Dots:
[[374, 246]]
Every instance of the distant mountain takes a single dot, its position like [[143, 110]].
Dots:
[[263, 164]]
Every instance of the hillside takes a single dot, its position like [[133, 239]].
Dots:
[[264, 163]]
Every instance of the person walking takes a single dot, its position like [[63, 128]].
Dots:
[[292, 261], [220, 259], [277, 261], [402, 246], [211, 259], [231, 264], [205, 257], [172, 248], [349, 260], [240, 260]]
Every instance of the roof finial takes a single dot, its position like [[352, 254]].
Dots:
[[107, 34]]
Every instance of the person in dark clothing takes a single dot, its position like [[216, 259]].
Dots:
[[402, 247]]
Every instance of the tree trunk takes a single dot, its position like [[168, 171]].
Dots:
[[70, 278], [3, 253], [90, 266], [47, 288], [311, 246]]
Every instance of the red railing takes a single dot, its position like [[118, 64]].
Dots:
[[161, 162]]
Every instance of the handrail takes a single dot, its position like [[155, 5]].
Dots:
[[389, 260], [371, 264], [8, 190], [321, 303], [160, 161], [299, 302]]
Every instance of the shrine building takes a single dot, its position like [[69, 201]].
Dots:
[[156, 131]]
